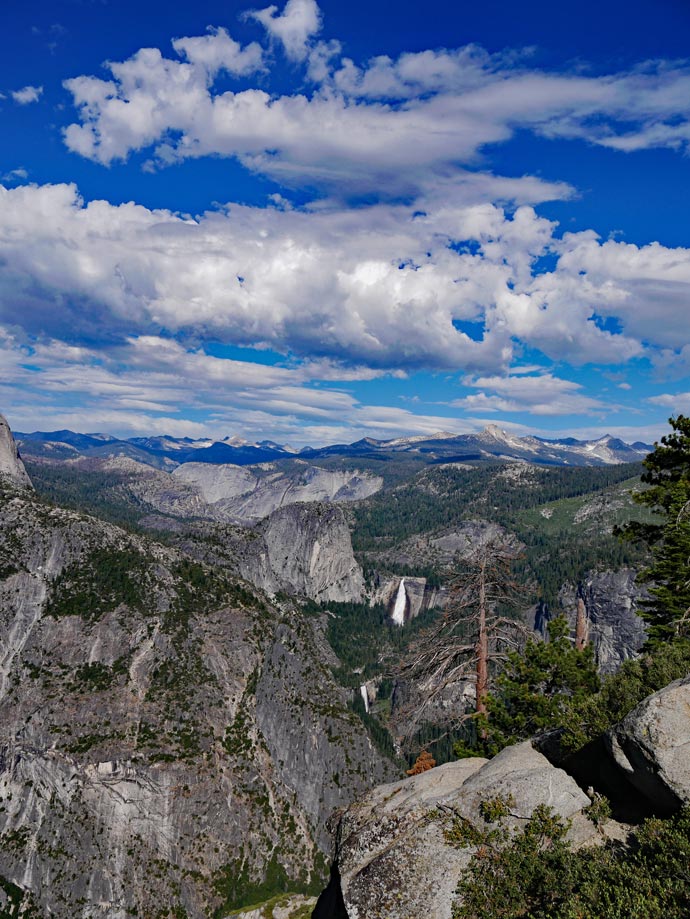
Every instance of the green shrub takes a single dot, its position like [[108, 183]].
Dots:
[[623, 690], [538, 689], [237, 889], [533, 873]]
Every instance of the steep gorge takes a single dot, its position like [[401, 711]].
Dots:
[[171, 740]]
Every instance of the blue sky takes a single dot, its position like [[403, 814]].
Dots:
[[312, 223]]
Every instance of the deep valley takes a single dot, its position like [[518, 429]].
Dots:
[[202, 663]]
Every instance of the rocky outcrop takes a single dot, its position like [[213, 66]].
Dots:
[[241, 495], [11, 466], [611, 600], [157, 716], [392, 857], [235, 494], [393, 860], [442, 549], [246, 494], [300, 549], [304, 549], [651, 747]]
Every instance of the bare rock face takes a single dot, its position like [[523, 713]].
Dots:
[[166, 734], [392, 858], [611, 600], [246, 494], [652, 746], [305, 549], [524, 774], [11, 466], [442, 548], [300, 548]]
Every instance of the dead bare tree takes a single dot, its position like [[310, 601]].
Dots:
[[474, 634], [581, 623]]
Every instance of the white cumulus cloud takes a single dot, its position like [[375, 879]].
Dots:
[[384, 287], [27, 95], [217, 51], [294, 27], [390, 125]]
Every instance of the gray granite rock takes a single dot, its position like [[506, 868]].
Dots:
[[299, 548], [248, 493], [392, 857], [304, 549], [11, 466], [652, 746], [611, 600]]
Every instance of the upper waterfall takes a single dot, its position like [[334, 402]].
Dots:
[[400, 604]]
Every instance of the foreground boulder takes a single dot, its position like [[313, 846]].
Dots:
[[392, 860], [652, 747]]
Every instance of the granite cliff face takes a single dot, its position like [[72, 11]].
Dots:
[[611, 600], [305, 549], [169, 739], [441, 549], [302, 550], [247, 494], [299, 548], [11, 466], [240, 495]]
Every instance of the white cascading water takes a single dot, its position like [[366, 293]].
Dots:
[[400, 603], [365, 696]]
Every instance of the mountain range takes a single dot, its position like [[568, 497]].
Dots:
[[490, 445]]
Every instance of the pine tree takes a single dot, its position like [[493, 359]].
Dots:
[[538, 688], [667, 473]]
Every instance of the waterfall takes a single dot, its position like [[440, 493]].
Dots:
[[400, 603], [365, 696]]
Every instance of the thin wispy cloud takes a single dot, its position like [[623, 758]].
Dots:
[[20, 174]]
